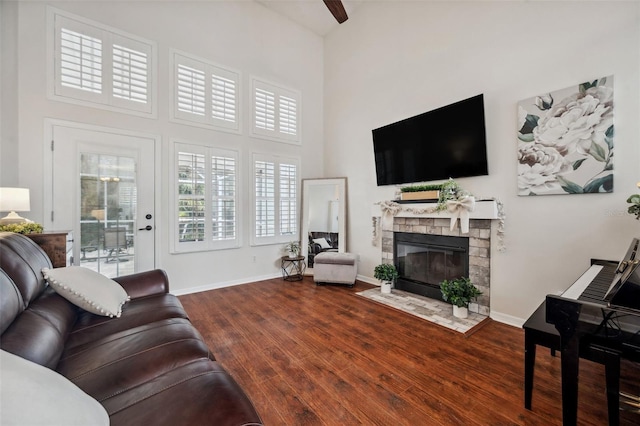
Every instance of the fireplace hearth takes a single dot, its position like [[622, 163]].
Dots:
[[424, 261]]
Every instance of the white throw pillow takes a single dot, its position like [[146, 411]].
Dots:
[[31, 394], [323, 243], [88, 289]]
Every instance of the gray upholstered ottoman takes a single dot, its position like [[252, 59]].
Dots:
[[337, 268]]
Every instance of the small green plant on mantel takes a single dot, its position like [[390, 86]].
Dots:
[[449, 190], [459, 292], [385, 272], [418, 188], [22, 228]]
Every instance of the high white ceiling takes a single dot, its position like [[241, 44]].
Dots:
[[311, 14]]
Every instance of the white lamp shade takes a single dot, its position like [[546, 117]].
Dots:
[[14, 200]]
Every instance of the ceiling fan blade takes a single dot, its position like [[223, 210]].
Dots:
[[337, 10]]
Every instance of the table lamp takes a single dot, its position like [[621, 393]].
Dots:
[[14, 200]]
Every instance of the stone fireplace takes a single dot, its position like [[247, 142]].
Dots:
[[425, 260], [477, 258]]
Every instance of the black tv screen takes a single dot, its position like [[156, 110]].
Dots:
[[448, 142]]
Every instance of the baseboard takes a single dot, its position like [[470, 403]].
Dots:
[[213, 286], [368, 280], [507, 319]]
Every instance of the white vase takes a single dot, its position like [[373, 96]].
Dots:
[[292, 255], [385, 287], [460, 311]]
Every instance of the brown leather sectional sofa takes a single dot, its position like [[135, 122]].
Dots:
[[148, 367]]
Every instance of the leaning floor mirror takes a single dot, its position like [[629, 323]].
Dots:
[[323, 217]]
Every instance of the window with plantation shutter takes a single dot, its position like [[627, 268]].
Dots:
[[130, 71], [80, 61], [204, 94], [265, 185], [276, 194], [205, 198], [99, 66], [265, 111], [276, 112], [223, 99], [190, 88], [288, 199]]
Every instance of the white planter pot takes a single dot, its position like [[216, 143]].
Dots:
[[385, 287], [460, 312], [292, 255]]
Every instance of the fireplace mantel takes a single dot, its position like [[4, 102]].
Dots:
[[485, 209]]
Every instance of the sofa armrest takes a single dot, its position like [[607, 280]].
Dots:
[[148, 283]]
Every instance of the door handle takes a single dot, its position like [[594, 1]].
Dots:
[[146, 228]]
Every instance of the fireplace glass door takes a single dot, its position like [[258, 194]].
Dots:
[[430, 264], [424, 261]]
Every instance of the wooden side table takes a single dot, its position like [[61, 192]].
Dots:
[[292, 268], [57, 244]]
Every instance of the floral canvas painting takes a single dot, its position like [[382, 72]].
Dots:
[[565, 140]]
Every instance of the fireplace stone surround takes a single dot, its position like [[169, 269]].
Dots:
[[438, 223]]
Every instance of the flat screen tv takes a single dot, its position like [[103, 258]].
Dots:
[[448, 142]]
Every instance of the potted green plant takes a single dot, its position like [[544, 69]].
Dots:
[[634, 208], [387, 274], [421, 192], [292, 248], [459, 292]]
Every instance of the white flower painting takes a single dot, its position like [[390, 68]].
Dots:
[[565, 140]]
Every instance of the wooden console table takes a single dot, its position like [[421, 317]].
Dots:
[[57, 244]]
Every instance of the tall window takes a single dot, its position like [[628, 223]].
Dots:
[[276, 112], [275, 199], [205, 94], [96, 65], [205, 198]]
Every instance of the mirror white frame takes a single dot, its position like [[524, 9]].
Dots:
[[311, 187]]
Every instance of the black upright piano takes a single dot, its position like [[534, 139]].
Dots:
[[597, 318]]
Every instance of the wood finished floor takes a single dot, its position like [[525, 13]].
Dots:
[[309, 355]]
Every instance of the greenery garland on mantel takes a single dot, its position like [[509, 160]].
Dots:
[[450, 190]]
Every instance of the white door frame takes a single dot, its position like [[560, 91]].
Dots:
[[47, 168]]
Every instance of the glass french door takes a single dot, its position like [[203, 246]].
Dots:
[[102, 188], [108, 207]]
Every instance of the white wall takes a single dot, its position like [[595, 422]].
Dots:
[[241, 35], [8, 94], [393, 60]]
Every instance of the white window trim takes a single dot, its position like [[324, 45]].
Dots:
[[207, 245], [176, 116], [108, 101], [277, 238], [278, 90]]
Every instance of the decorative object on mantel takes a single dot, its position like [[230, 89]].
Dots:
[[22, 228], [566, 147], [634, 208], [387, 274], [451, 197], [459, 292], [420, 192]]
